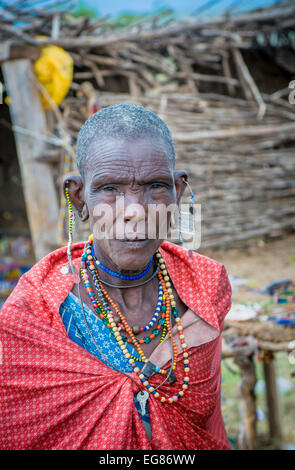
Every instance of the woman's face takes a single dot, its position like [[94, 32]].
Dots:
[[124, 182]]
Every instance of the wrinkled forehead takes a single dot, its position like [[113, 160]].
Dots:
[[128, 156]]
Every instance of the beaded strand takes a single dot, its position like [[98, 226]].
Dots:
[[167, 289]]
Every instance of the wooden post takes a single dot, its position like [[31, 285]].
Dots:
[[38, 183], [272, 397], [247, 401]]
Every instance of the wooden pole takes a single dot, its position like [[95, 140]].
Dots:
[[247, 401], [38, 183], [272, 397]]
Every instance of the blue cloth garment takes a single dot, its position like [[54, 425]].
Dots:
[[73, 320]]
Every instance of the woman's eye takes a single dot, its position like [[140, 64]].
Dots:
[[157, 185]]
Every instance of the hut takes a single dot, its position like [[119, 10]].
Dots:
[[223, 85]]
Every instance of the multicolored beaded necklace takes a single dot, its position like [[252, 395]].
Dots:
[[103, 309]]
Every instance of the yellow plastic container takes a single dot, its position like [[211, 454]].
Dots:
[[54, 70]]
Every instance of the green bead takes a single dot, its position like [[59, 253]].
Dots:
[[124, 338], [174, 312], [162, 321], [147, 339], [163, 308], [105, 321], [156, 332]]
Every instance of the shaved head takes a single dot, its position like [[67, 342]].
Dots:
[[124, 121]]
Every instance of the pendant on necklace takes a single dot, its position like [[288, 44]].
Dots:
[[148, 369]]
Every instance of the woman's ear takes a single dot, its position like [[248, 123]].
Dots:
[[75, 187], [179, 180]]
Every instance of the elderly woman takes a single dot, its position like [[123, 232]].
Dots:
[[116, 343]]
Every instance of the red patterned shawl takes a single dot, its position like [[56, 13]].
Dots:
[[56, 395]]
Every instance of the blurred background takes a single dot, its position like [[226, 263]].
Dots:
[[222, 76]]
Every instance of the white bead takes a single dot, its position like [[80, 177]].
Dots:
[[186, 379], [185, 386], [131, 361]]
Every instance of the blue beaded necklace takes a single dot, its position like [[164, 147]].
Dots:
[[121, 276]]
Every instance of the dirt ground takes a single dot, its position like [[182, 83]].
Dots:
[[261, 264]]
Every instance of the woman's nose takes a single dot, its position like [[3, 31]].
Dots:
[[134, 209]]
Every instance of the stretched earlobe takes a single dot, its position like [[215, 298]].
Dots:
[[180, 178], [74, 185], [84, 214]]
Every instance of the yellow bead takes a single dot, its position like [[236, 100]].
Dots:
[[186, 361], [165, 272], [157, 394], [162, 266], [151, 389], [169, 290], [136, 369], [166, 278], [163, 399], [145, 383], [173, 303], [168, 284], [181, 393], [184, 386], [131, 361], [161, 260], [141, 376], [186, 379], [185, 354], [170, 400]]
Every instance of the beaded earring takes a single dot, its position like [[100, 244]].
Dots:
[[186, 224], [191, 208], [71, 216]]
